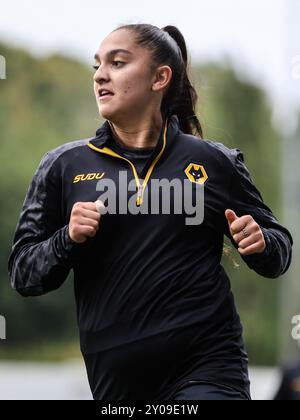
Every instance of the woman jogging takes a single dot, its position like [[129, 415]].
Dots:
[[155, 310]]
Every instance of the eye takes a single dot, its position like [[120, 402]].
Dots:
[[114, 63], [117, 62]]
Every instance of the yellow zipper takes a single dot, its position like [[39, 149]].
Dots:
[[140, 188]]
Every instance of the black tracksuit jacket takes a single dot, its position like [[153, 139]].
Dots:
[[154, 305]]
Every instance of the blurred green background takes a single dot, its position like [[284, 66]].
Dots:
[[49, 101]]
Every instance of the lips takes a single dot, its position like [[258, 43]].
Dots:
[[104, 92]]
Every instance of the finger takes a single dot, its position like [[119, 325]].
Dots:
[[244, 242], [89, 231], [240, 224], [99, 206], [90, 214], [84, 230], [256, 248], [230, 216], [79, 207], [240, 236], [251, 240], [89, 206], [84, 221], [251, 229]]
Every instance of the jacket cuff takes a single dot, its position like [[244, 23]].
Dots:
[[69, 244], [268, 252], [64, 246], [261, 259]]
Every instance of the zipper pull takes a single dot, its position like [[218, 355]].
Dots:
[[139, 200]]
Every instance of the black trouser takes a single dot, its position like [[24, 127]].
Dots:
[[156, 367], [208, 391]]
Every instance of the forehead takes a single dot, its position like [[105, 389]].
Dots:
[[121, 39]]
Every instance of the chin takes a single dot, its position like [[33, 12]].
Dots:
[[106, 113], [110, 114]]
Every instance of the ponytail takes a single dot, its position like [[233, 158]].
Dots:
[[182, 101]]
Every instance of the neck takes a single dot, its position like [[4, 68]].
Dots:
[[138, 134]]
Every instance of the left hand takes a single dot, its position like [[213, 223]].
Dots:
[[246, 233]]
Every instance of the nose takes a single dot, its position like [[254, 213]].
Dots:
[[100, 76]]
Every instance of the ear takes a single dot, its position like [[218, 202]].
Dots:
[[162, 78]]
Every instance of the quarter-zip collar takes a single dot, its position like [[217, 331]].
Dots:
[[168, 132], [104, 133]]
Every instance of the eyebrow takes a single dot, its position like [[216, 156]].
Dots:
[[112, 53]]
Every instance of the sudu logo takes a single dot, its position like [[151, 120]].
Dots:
[[88, 177]]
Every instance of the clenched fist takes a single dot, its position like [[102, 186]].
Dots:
[[246, 233], [84, 220]]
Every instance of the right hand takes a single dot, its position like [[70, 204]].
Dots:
[[84, 220]]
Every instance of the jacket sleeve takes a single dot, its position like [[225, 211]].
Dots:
[[41, 255], [245, 199]]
